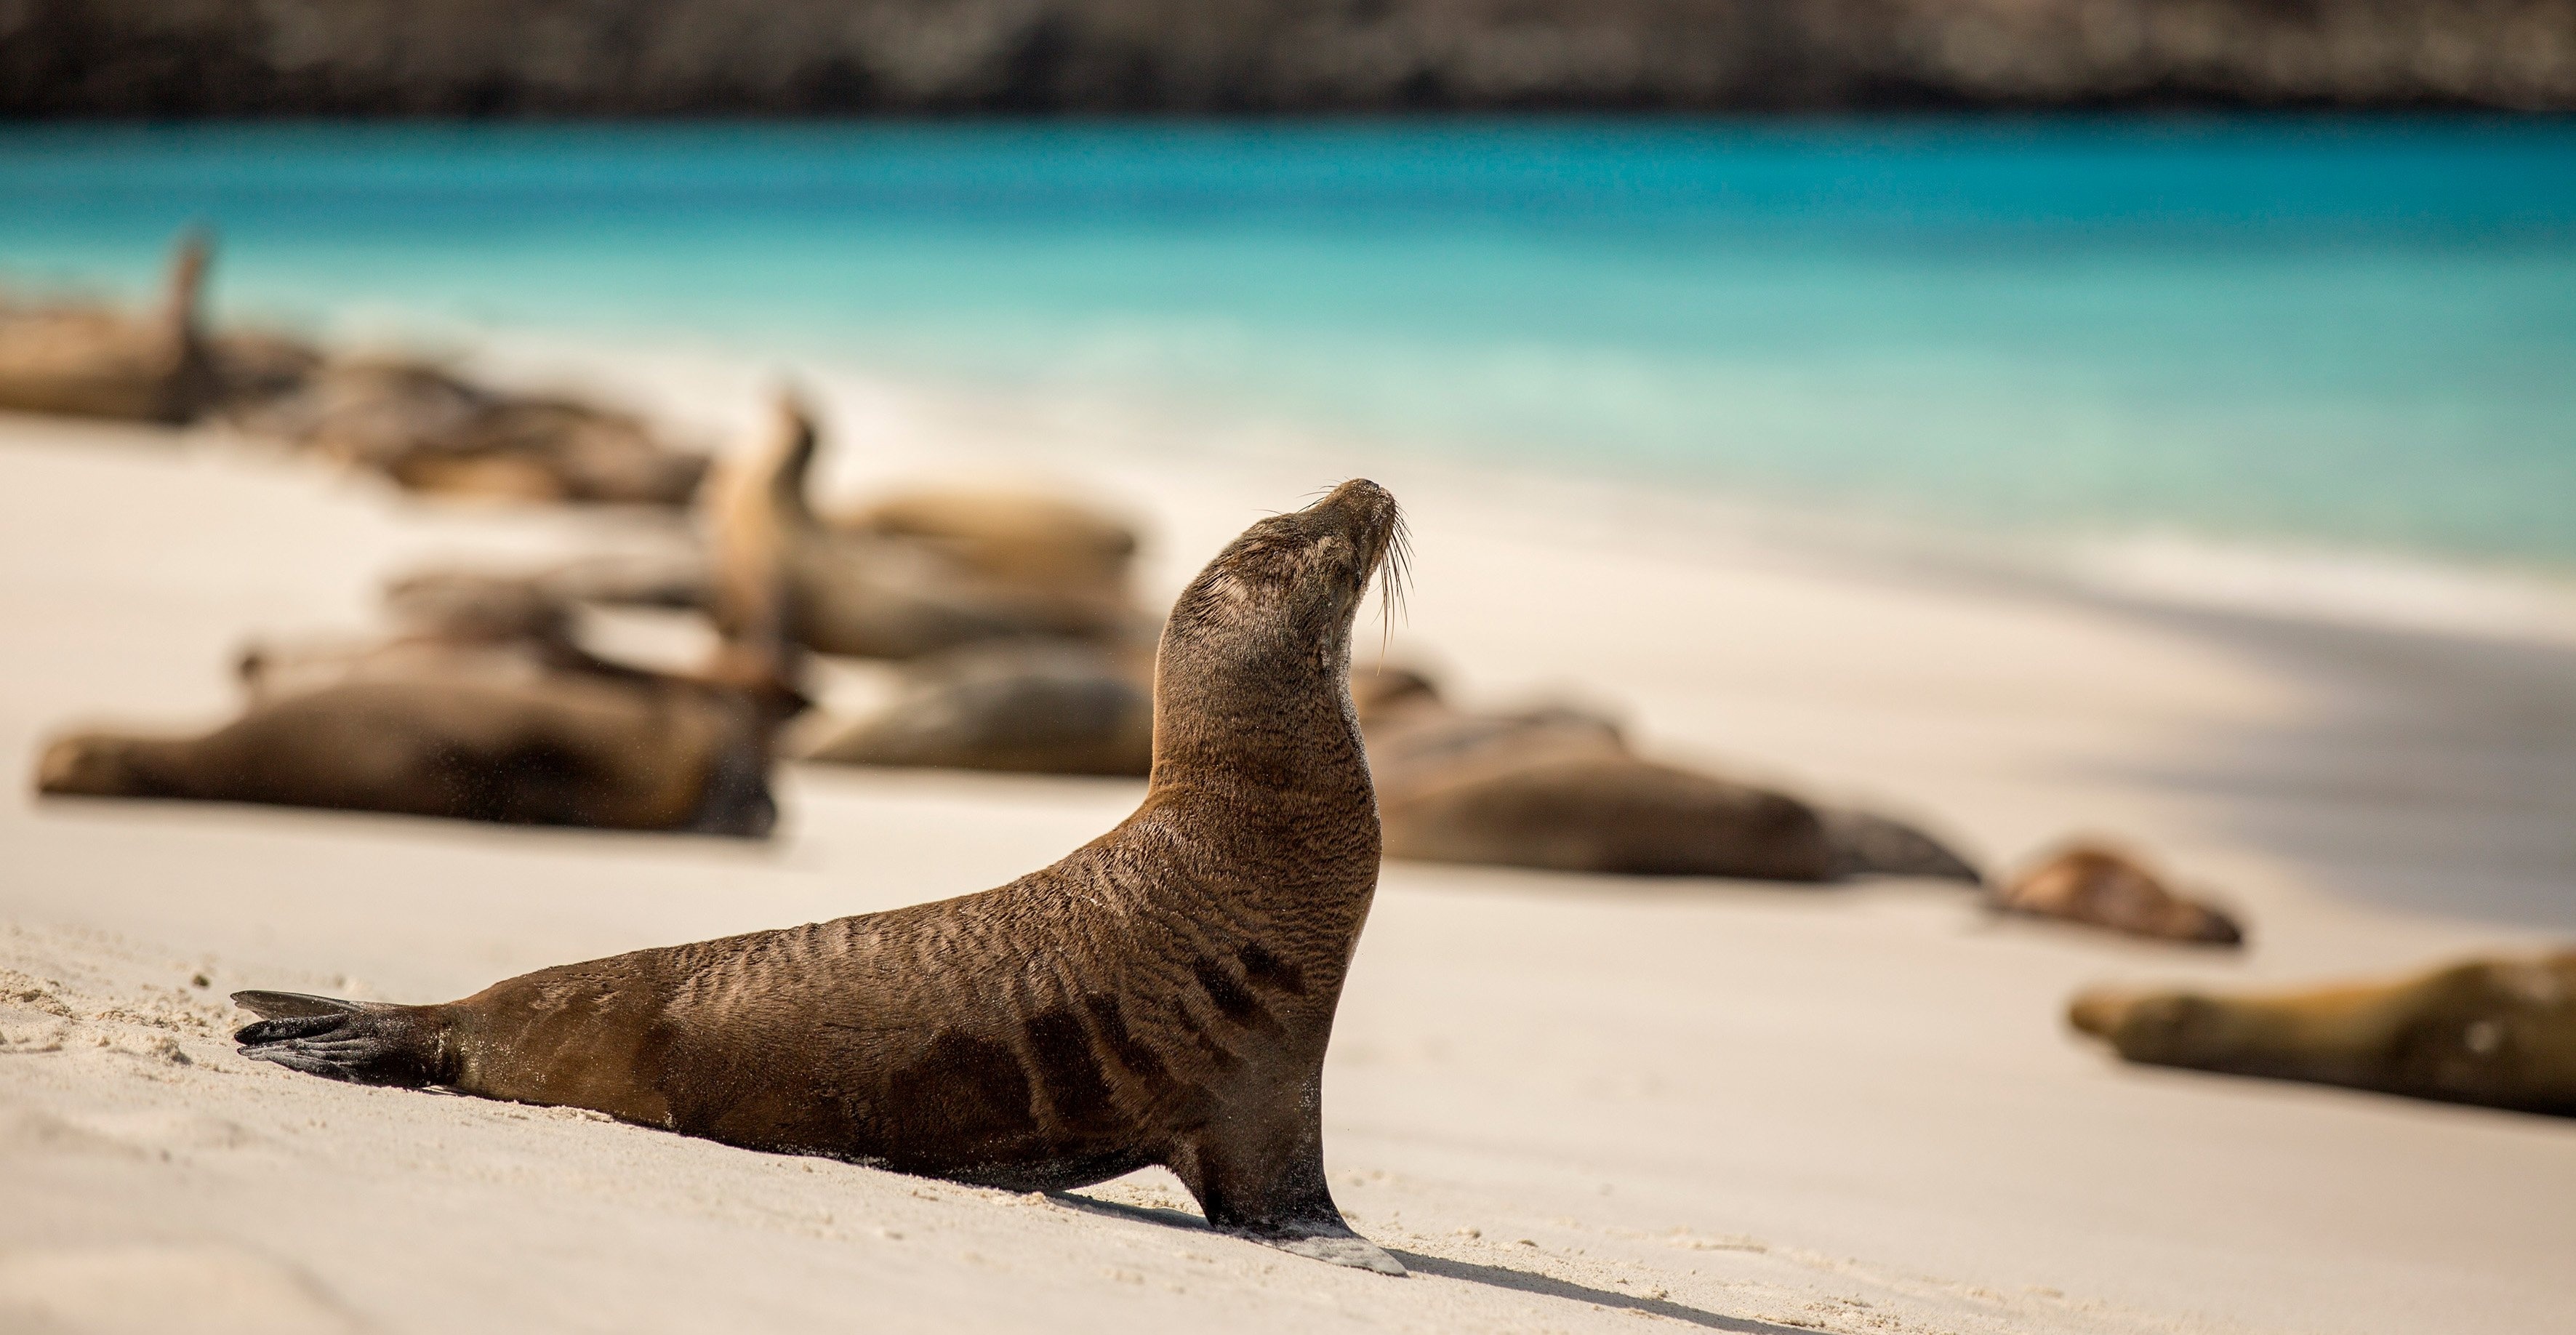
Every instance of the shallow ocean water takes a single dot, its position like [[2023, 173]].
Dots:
[[2340, 335]]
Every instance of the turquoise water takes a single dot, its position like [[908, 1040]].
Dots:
[[2352, 334]]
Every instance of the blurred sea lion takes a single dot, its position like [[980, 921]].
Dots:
[[1559, 789], [1046, 706], [561, 750], [878, 596], [1164, 994], [1027, 536], [432, 431], [2496, 1032], [2102, 887], [94, 361], [483, 708], [450, 625]]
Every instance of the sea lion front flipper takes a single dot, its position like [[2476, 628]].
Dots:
[[1266, 1184], [1339, 1246]]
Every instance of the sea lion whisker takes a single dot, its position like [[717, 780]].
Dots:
[[1393, 572]]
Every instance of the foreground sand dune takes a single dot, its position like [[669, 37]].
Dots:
[[1566, 1104]]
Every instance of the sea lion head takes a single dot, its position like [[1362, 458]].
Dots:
[[1264, 632], [2167, 1028], [92, 764], [1284, 594]]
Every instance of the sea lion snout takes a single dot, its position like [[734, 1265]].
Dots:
[[1299, 574], [2098, 1011], [1363, 514]]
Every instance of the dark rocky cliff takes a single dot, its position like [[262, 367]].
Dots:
[[545, 57]]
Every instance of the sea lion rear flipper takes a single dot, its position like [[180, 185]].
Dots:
[[1871, 845], [362, 1042], [293, 1005]]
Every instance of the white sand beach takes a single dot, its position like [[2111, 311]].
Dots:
[[1566, 1103]]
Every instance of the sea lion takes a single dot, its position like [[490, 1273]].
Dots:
[[2103, 887], [1559, 789], [91, 361], [558, 750], [1162, 995], [874, 596], [1008, 533], [1044, 706], [432, 431], [452, 625], [484, 708], [2495, 1032]]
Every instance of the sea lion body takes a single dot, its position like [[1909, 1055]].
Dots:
[[454, 626], [2103, 887], [1163, 994], [1559, 789], [1011, 534], [1024, 706], [561, 750], [431, 431], [2499, 1033]]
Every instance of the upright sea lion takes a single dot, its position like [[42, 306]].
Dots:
[[2496, 1032], [2103, 887], [431, 431], [1559, 789], [1031, 706], [89, 361], [876, 596], [1162, 995]]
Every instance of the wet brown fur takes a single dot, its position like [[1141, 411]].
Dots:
[[1162, 995], [2496, 1032]]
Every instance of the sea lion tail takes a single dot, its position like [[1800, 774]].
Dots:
[[362, 1042], [1868, 845]]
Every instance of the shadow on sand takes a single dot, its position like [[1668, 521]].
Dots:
[[1468, 1272]]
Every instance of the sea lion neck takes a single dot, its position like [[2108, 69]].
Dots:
[[1250, 764], [1258, 762]]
